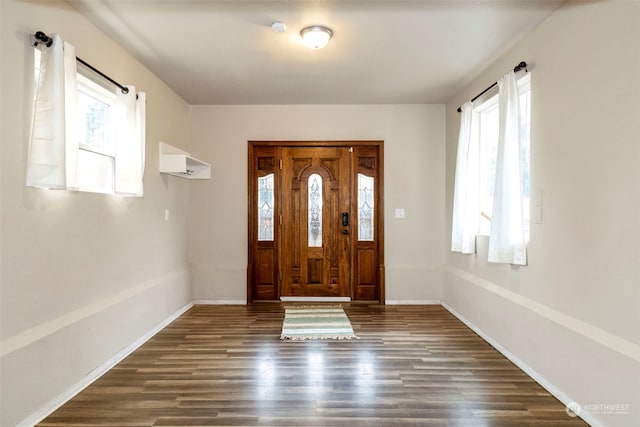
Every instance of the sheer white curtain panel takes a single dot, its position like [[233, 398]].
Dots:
[[53, 148], [466, 187], [130, 142], [507, 238]]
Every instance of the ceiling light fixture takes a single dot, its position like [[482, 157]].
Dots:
[[316, 36]]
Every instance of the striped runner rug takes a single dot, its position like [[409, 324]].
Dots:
[[316, 323]]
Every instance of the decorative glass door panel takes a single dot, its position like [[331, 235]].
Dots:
[[265, 208], [366, 207], [264, 230], [367, 267], [314, 208]]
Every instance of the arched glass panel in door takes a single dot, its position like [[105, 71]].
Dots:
[[315, 210]]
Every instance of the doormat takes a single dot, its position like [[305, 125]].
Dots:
[[316, 323]]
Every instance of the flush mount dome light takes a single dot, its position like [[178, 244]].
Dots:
[[316, 36]]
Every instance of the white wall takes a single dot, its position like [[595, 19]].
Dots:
[[414, 179], [82, 275], [572, 315]]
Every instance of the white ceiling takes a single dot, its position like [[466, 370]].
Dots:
[[382, 52]]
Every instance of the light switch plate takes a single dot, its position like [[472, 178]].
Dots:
[[538, 215], [539, 196], [400, 213]]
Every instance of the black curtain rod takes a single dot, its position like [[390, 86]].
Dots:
[[48, 41], [521, 66]]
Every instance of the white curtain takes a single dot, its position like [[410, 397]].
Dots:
[[130, 142], [507, 238], [465, 194], [53, 148]]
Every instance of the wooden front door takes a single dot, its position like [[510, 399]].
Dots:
[[315, 220], [316, 236]]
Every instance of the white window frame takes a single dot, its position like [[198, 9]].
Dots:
[[93, 89], [90, 88], [480, 122], [479, 137]]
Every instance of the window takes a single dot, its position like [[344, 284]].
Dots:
[[96, 141], [85, 135], [96, 156], [36, 69], [485, 126], [484, 131], [525, 150]]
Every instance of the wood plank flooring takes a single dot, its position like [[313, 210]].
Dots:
[[226, 366]]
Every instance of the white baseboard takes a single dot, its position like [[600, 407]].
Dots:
[[562, 397], [219, 302], [65, 396], [411, 302], [315, 299]]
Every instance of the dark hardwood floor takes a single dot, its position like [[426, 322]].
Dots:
[[225, 365]]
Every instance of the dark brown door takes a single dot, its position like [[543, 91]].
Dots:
[[315, 221]]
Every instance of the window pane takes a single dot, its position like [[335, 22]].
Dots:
[[315, 211], [37, 57], [96, 155], [94, 121], [95, 172], [488, 135], [365, 207], [487, 118], [265, 208], [525, 157]]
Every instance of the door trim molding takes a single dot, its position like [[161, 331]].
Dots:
[[313, 143], [255, 144]]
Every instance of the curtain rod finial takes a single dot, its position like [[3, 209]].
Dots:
[[521, 66], [41, 37]]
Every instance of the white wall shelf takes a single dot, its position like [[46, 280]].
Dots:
[[174, 161]]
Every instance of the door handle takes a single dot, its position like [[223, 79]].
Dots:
[[345, 219]]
